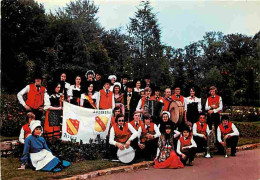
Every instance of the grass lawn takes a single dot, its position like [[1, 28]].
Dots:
[[248, 140], [9, 169], [256, 123]]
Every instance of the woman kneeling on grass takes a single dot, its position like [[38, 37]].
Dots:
[[37, 153]]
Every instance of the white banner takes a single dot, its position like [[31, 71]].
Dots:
[[84, 124]]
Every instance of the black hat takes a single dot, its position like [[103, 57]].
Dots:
[[125, 76], [130, 85], [156, 88], [106, 81], [168, 125], [224, 117], [186, 128], [38, 76], [147, 76]]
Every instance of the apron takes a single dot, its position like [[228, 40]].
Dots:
[[41, 159]]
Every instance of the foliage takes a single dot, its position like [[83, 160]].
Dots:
[[72, 40], [248, 129], [12, 116], [244, 113]]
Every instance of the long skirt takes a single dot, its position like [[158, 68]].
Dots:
[[172, 162], [51, 125]]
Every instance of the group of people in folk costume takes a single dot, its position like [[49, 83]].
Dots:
[[154, 137]]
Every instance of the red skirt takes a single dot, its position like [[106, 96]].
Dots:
[[50, 131], [173, 162]]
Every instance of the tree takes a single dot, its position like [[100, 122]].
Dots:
[[23, 23], [146, 48]]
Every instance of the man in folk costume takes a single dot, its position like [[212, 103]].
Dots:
[[158, 105], [186, 147], [177, 95], [137, 123], [167, 99], [149, 138], [65, 86], [227, 134], [105, 99], [143, 102], [122, 135], [214, 106], [131, 100], [200, 133], [99, 84], [36, 96], [124, 81], [26, 131]]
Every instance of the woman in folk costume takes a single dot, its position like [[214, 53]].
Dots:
[[192, 107], [65, 86], [88, 99], [119, 96], [166, 156], [186, 147], [138, 85], [37, 153], [53, 119], [75, 92], [166, 120]]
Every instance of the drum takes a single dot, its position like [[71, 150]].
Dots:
[[176, 110], [126, 155]]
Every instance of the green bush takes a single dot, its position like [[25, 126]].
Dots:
[[248, 129], [12, 117], [244, 113]]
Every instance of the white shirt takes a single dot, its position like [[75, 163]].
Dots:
[[83, 97], [136, 90], [234, 133], [70, 91], [207, 107], [26, 91], [189, 100], [112, 134], [156, 129], [21, 136], [195, 133], [178, 150]]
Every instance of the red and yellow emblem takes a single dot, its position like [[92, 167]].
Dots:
[[72, 126], [100, 123]]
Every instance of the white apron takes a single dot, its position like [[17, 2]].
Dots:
[[41, 159]]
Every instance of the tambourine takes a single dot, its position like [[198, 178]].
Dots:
[[126, 155]]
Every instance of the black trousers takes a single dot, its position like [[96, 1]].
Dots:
[[232, 142], [38, 114], [201, 143], [190, 153], [149, 152]]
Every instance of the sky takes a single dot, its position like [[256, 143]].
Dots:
[[181, 22]]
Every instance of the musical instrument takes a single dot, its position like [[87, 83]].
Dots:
[[153, 107], [126, 155], [210, 143], [176, 109]]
